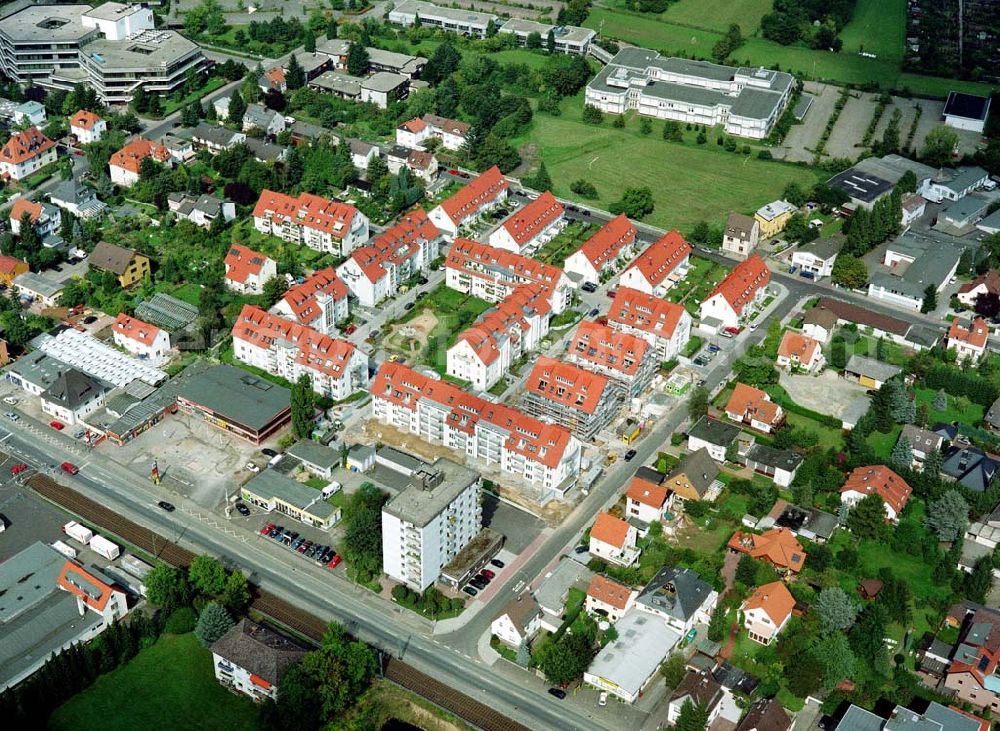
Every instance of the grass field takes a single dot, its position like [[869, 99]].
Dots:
[[746, 13], [169, 685], [878, 26]]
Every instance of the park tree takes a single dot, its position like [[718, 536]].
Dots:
[[191, 114], [592, 115], [794, 194], [717, 623], [693, 717], [550, 41], [331, 28], [836, 657], [674, 670], [867, 518], [309, 41], [534, 40], [303, 401], [939, 145], [978, 583], [948, 516], [236, 593], [698, 403], [357, 60], [442, 64], [207, 575], [167, 587], [901, 456], [295, 76], [867, 637], [541, 180], [835, 608], [566, 660], [213, 622], [362, 542]]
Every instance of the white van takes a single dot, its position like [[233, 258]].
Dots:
[[333, 487]]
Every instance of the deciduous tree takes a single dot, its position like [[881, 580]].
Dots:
[[207, 575]]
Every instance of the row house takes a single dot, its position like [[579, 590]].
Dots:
[[753, 407], [666, 326], [582, 401], [319, 301], [415, 132], [877, 480], [546, 456], [664, 263], [287, 349], [216, 138], [247, 271], [479, 196], [626, 359], [603, 253], [484, 353], [968, 341], [320, 223], [25, 153], [87, 127], [613, 540], [532, 226], [146, 341], [375, 271], [126, 162], [744, 287], [492, 274]]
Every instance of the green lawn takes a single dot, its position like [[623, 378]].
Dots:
[[746, 13], [879, 27], [454, 311], [171, 105], [828, 436], [961, 410], [647, 31], [189, 292], [169, 685], [883, 443]]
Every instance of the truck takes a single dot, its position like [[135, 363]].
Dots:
[[65, 549], [103, 547], [77, 532]]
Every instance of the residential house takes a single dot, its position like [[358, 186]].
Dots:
[[921, 441], [553, 591], [766, 714], [973, 669], [565, 38], [530, 227], [604, 252], [30, 112], [266, 120], [252, 659], [878, 480], [129, 266], [966, 111], [936, 718], [316, 458], [679, 597], [312, 64], [247, 271], [645, 500], [479, 196], [418, 130], [77, 198], [374, 272], [319, 301], [694, 478], [869, 372], [810, 523], [773, 217], [992, 418], [930, 262], [201, 210], [767, 611], [126, 162], [11, 267], [991, 224], [713, 435], [423, 165], [146, 341], [665, 325], [815, 260], [819, 324], [287, 349], [626, 359], [733, 298], [607, 599], [181, 149], [799, 352], [968, 341], [778, 464], [914, 207], [25, 153], [322, 224], [362, 153], [519, 621], [754, 407], [613, 540], [563, 393], [72, 397], [988, 283], [215, 138], [87, 127], [664, 263], [970, 467], [45, 218], [778, 547], [741, 235], [699, 689]]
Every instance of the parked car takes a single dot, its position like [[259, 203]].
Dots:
[[12, 416], [304, 546], [350, 329], [69, 468], [498, 563], [629, 455], [335, 561], [594, 312], [470, 590], [588, 287], [269, 452], [581, 550], [166, 506], [733, 330], [488, 574], [423, 280], [557, 692], [374, 334], [9, 400], [602, 699], [408, 306], [57, 425], [266, 530], [242, 509], [478, 583], [251, 467], [714, 348]]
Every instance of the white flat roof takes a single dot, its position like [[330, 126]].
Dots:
[[93, 357], [643, 641]]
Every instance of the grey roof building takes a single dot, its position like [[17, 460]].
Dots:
[[216, 137], [824, 248], [315, 457], [266, 151], [864, 367], [167, 312], [697, 470], [970, 466], [625, 666], [257, 115], [923, 441], [992, 417], [766, 714], [811, 523], [933, 261], [714, 431], [258, 650], [552, 592], [74, 390], [960, 180], [675, 593], [858, 719], [35, 371], [272, 490], [77, 198], [432, 490]]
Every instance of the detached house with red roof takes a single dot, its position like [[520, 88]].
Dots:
[[778, 547], [645, 500], [974, 673], [146, 341], [563, 393], [607, 599], [319, 302], [321, 224], [603, 253], [881, 481], [660, 266], [799, 352], [375, 271], [626, 359], [87, 127], [247, 271], [736, 295], [767, 611], [413, 133], [479, 196], [45, 217], [613, 540], [530, 227], [968, 341], [666, 326], [124, 164], [93, 591], [753, 407], [285, 348], [25, 153], [988, 283]]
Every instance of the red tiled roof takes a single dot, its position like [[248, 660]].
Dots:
[[507, 319], [740, 286], [241, 262], [25, 145], [606, 347], [78, 581], [276, 75], [420, 160], [137, 330], [883, 482], [609, 529], [9, 264], [395, 245], [308, 210], [775, 599], [779, 546], [661, 257], [645, 312], [610, 592], [748, 403], [413, 125], [990, 280], [798, 345], [648, 493], [566, 384], [84, 119], [527, 436], [975, 334], [450, 126], [22, 206], [301, 298], [130, 157], [532, 219], [488, 262], [467, 202], [610, 239]]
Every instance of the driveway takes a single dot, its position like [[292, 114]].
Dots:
[[826, 393]]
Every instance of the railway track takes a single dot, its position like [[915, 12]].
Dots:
[[267, 604]]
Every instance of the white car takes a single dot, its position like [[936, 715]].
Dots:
[[10, 400], [602, 699], [252, 467]]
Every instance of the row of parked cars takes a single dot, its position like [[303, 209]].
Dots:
[[319, 553], [481, 580]]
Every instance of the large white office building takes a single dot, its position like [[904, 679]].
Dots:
[[746, 102], [457, 20]]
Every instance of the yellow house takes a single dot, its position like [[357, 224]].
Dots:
[[129, 266], [11, 267], [773, 217]]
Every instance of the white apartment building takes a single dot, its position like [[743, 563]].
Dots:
[[741, 235], [426, 525], [251, 659], [414, 132], [146, 341], [287, 349], [247, 271], [531, 227], [479, 196], [744, 287], [72, 397], [603, 253], [456, 20], [665, 325], [319, 301], [567, 38], [321, 224], [87, 127], [657, 269], [25, 153]]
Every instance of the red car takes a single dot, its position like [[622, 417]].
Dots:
[[488, 574], [266, 529], [350, 329], [70, 468], [57, 425], [335, 561], [18, 468], [733, 330], [612, 293]]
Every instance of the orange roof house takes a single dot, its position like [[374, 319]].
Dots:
[[602, 250], [21, 148], [84, 120], [778, 546], [86, 587], [607, 596], [11, 267], [880, 480], [611, 530], [799, 351], [741, 287], [525, 226], [468, 202], [968, 341], [242, 262], [749, 405], [137, 330], [647, 493], [663, 260], [774, 600]]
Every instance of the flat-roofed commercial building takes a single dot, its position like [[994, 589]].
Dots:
[[568, 38], [457, 20], [271, 490]]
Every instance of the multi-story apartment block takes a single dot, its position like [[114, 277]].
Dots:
[[124, 164], [567, 38], [582, 401], [252, 658], [531, 227], [319, 302], [626, 359], [480, 196], [485, 351], [545, 456], [426, 525], [747, 102], [602, 254], [247, 271], [742, 288], [87, 127], [319, 223], [375, 271], [664, 325], [492, 274], [457, 20], [285, 348], [663, 264], [24, 153]]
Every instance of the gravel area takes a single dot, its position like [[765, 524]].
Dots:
[[826, 393], [845, 140], [803, 138]]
